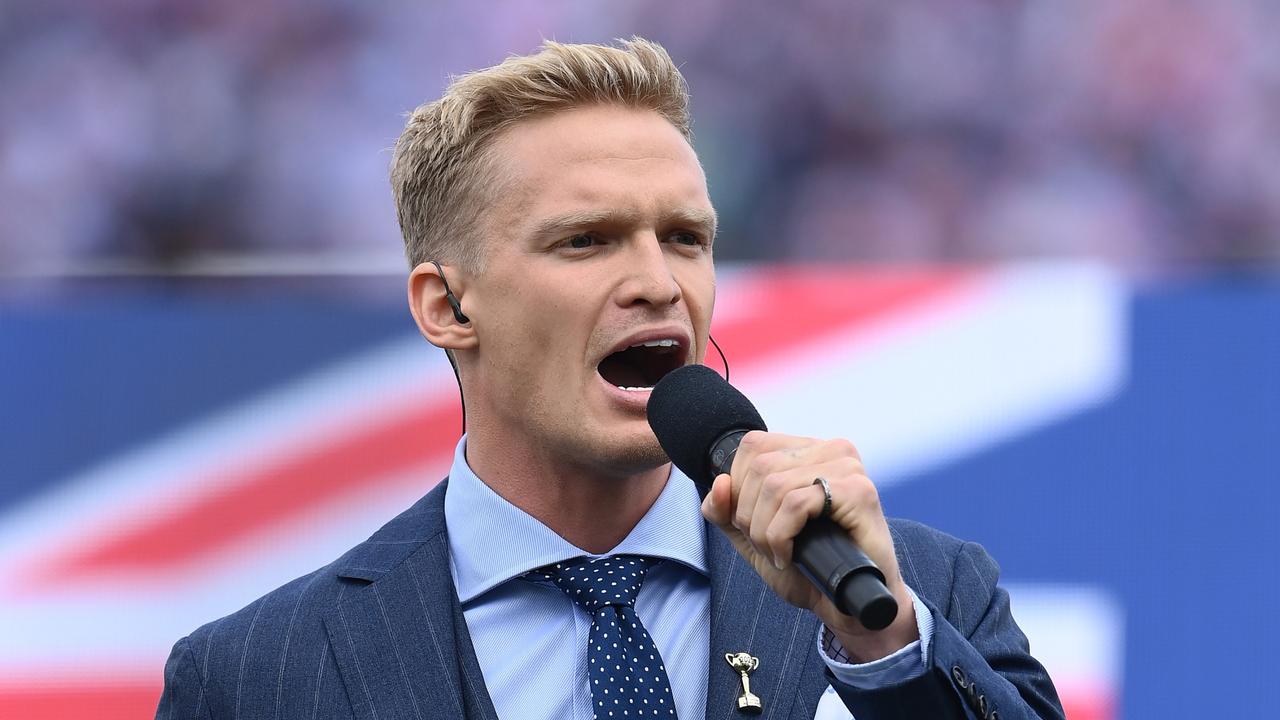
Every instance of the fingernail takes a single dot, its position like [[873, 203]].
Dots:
[[777, 562]]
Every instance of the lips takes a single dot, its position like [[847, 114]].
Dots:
[[640, 361]]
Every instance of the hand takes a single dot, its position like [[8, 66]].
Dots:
[[769, 495]]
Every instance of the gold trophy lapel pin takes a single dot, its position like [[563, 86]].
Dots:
[[744, 664]]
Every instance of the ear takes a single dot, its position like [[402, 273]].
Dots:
[[431, 309]]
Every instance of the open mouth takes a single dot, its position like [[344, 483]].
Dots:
[[640, 366]]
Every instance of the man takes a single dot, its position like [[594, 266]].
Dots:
[[558, 224]]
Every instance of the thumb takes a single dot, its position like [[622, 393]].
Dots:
[[716, 507]]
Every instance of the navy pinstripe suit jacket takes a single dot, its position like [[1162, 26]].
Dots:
[[379, 634]]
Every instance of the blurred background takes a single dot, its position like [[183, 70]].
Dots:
[[1029, 251], [145, 134]]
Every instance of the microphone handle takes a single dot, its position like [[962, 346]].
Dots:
[[831, 561], [827, 556]]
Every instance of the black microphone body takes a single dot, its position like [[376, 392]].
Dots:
[[699, 419]]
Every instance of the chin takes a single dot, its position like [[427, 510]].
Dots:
[[631, 456]]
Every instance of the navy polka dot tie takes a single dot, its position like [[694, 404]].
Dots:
[[625, 671]]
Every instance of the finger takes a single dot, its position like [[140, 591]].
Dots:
[[798, 508], [775, 488], [760, 453], [717, 506], [758, 442], [799, 499], [717, 509], [757, 477]]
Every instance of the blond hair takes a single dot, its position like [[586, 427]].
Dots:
[[440, 173]]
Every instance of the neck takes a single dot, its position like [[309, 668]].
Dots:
[[592, 509]]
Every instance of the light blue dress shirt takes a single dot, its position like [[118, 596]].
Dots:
[[531, 639]]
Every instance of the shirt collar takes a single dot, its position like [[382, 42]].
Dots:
[[492, 541]]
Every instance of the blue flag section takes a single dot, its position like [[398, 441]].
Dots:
[[171, 452], [1167, 496]]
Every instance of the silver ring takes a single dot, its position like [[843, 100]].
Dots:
[[826, 495]]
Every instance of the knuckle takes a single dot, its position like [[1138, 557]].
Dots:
[[850, 466], [793, 502], [767, 463], [843, 447], [775, 537], [863, 492], [773, 485]]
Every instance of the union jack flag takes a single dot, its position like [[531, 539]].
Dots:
[[103, 568]]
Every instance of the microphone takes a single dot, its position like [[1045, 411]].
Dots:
[[699, 420]]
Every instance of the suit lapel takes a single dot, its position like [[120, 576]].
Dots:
[[398, 633], [403, 650], [746, 616]]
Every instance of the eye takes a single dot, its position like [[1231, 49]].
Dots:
[[688, 239], [581, 242]]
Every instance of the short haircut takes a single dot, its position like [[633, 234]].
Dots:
[[441, 175]]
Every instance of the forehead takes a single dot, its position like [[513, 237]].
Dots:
[[597, 159]]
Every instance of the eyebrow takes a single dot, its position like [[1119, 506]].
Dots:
[[555, 225]]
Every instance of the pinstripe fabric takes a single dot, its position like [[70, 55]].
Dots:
[[380, 633], [979, 639], [747, 616]]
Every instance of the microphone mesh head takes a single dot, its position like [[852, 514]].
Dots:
[[692, 407]]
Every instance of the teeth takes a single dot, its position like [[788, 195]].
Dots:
[[659, 343], [634, 389]]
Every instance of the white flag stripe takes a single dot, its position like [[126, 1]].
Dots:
[[947, 378]]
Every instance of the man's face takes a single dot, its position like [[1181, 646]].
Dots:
[[597, 278]]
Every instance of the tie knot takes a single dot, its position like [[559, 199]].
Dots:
[[600, 582]]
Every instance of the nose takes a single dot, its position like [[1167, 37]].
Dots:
[[648, 276]]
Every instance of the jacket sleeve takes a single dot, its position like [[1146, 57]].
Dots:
[[979, 665], [183, 697]]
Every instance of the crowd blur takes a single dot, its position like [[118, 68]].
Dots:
[[1142, 132]]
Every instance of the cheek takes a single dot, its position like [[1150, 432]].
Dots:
[[541, 335], [699, 289], [700, 296]]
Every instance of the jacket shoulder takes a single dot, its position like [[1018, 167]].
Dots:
[[928, 558], [238, 663], [280, 639]]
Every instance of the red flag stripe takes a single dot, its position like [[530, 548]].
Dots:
[[793, 306], [124, 700], [253, 498]]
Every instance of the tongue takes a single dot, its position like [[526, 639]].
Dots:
[[622, 373]]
